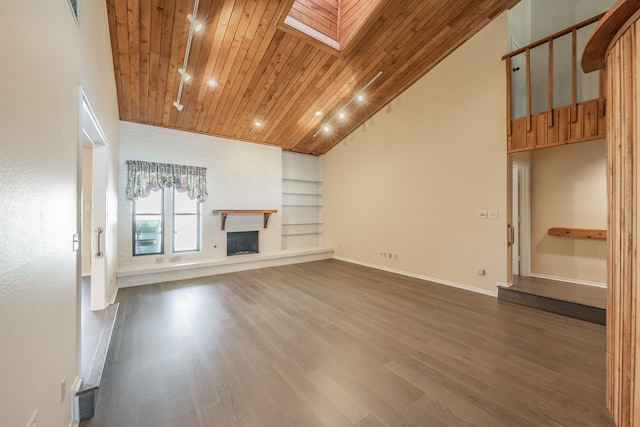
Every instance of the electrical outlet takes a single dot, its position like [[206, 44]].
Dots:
[[482, 214], [480, 271]]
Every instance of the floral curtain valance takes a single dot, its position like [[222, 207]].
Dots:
[[144, 177]]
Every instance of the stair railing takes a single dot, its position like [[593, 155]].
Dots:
[[574, 75]]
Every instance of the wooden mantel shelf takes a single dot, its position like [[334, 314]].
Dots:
[[223, 214], [583, 233]]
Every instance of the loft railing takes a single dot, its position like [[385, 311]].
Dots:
[[580, 120]]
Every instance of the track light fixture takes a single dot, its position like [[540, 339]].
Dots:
[[184, 76], [197, 26], [341, 113]]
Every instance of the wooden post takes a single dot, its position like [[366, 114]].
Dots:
[[614, 46]]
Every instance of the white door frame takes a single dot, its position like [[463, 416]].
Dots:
[[524, 235], [93, 132]]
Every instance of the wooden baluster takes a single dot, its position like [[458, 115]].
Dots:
[[528, 56], [574, 76], [509, 94], [550, 87]]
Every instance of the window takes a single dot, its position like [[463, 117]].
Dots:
[[149, 223], [186, 223], [148, 220], [183, 228]]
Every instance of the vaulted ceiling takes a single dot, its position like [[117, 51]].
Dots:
[[278, 63]]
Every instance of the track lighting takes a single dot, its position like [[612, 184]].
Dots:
[[184, 76], [197, 26], [341, 114]]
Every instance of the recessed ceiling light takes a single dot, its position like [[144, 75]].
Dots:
[[342, 115], [326, 128], [317, 113], [360, 97], [212, 83], [258, 123]]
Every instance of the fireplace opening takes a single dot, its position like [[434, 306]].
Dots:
[[242, 242]]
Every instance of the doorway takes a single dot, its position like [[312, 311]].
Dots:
[[520, 218], [92, 292]]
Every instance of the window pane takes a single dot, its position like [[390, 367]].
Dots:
[[186, 223], [147, 235], [185, 233], [151, 204], [182, 203]]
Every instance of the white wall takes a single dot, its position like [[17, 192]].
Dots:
[[46, 57], [569, 189], [412, 179], [240, 175]]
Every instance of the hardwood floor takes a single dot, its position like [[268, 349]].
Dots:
[[335, 344]]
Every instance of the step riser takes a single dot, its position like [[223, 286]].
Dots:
[[565, 308]]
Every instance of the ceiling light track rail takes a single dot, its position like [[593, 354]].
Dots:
[[341, 112], [184, 76]]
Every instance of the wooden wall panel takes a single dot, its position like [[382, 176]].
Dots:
[[350, 13], [589, 124], [320, 15], [623, 161]]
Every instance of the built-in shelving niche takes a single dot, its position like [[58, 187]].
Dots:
[[302, 202]]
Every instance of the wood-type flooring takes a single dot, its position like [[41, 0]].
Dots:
[[334, 344]]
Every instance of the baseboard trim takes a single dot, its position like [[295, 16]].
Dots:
[[75, 409], [492, 293], [114, 296], [138, 275], [568, 280]]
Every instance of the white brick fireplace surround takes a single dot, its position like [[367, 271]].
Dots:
[[240, 175]]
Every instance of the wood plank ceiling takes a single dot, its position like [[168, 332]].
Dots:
[[270, 72]]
